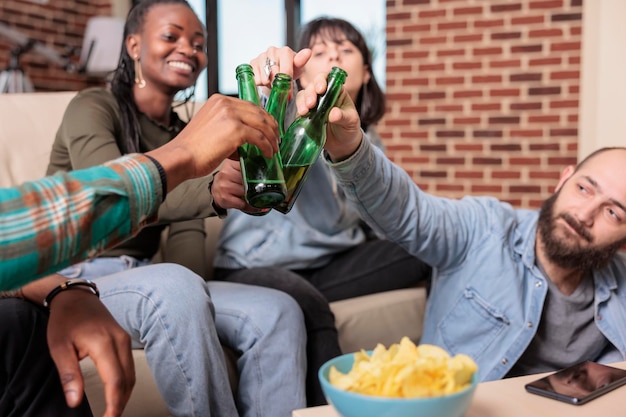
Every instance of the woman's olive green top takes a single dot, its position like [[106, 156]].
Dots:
[[86, 138]]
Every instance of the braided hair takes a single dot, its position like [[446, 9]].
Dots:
[[124, 77]]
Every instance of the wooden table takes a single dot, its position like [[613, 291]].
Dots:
[[508, 398]]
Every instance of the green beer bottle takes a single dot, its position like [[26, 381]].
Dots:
[[277, 101], [263, 179], [304, 139]]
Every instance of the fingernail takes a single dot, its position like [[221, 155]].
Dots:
[[72, 397]]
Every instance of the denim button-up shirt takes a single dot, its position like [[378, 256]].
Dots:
[[487, 293]]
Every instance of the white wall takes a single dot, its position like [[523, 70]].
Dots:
[[602, 120]]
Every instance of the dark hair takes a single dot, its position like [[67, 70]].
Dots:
[[370, 101], [124, 76]]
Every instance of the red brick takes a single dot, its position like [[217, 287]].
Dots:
[[524, 161], [486, 106], [509, 63], [466, 120], [545, 33], [449, 108], [468, 147], [509, 7], [424, 27], [525, 189], [565, 46], [545, 175], [432, 40], [527, 20], [477, 79], [565, 17], [467, 65], [467, 94], [526, 133], [432, 67], [563, 104], [486, 161], [468, 38], [449, 80], [482, 24], [506, 35], [469, 174], [433, 174], [450, 134], [504, 92], [452, 25], [424, 14], [562, 161], [451, 52], [450, 161], [449, 187], [565, 75], [505, 174], [546, 4], [544, 118], [487, 134], [494, 50], [545, 61], [433, 148], [486, 189], [467, 10]]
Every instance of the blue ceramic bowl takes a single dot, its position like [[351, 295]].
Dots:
[[349, 404]]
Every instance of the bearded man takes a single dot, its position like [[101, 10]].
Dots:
[[520, 291]]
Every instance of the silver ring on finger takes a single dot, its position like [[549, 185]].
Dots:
[[268, 66]]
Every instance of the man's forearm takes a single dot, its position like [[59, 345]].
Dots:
[[48, 224]]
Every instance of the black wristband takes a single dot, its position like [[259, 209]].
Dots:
[[162, 174], [68, 285]]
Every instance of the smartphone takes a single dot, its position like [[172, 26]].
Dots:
[[579, 383]]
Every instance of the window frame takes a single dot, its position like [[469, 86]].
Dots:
[[292, 22]]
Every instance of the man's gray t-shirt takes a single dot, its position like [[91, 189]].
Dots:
[[567, 333]]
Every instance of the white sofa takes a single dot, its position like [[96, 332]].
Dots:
[[28, 123]]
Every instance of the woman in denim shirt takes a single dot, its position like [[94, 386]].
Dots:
[[320, 251]]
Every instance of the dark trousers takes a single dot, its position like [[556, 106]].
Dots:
[[29, 381], [372, 267]]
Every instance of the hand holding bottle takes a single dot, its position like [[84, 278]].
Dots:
[[344, 134], [278, 60], [228, 189]]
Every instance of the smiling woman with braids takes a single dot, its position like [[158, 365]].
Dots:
[[163, 54]]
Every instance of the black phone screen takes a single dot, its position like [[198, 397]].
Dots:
[[580, 383]]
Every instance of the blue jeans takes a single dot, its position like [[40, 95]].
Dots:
[[168, 311]]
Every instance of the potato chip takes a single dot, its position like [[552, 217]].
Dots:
[[406, 371]]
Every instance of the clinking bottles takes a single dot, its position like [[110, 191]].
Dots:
[[263, 178], [303, 142]]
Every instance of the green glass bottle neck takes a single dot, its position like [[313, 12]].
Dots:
[[277, 101], [326, 101], [245, 84]]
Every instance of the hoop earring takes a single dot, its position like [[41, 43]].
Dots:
[[139, 80]]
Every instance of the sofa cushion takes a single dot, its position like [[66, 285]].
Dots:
[[386, 317], [28, 124]]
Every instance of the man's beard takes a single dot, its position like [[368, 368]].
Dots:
[[571, 256]]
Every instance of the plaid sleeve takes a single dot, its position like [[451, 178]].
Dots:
[[48, 224]]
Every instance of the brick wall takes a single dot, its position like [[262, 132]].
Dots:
[[60, 25], [483, 94]]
